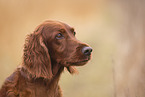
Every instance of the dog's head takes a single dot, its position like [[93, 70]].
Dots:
[[53, 43]]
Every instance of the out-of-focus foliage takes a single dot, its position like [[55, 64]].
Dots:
[[94, 22], [130, 56]]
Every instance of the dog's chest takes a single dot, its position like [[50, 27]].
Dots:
[[39, 90]]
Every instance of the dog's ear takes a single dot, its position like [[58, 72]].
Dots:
[[36, 58]]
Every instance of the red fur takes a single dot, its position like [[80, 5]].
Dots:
[[44, 60]]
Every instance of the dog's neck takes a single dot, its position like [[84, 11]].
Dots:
[[56, 70], [50, 85], [56, 76]]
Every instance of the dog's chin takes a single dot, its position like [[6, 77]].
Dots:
[[78, 63]]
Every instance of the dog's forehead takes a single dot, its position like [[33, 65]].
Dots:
[[57, 25]]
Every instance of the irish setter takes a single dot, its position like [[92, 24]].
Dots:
[[47, 51]]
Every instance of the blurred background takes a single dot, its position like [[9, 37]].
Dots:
[[113, 28]]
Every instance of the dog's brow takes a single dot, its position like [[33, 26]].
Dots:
[[72, 29]]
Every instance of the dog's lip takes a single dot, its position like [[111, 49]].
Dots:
[[78, 62]]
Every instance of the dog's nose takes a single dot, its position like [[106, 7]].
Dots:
[[86, 50]]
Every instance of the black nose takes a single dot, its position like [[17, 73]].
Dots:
[[86, 50]]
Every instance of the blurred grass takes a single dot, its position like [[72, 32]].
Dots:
[[94, 25]]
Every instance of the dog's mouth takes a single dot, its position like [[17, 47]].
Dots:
[[79, 63]]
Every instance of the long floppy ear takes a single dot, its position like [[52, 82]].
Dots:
[[36, 58]]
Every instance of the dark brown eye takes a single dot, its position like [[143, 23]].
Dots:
[[59, 36]]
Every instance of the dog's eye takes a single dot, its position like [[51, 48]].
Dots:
[[74, 33], [59, 36]]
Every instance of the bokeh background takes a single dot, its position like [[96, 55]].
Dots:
[[100, 23]]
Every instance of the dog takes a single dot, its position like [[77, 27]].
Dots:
[[47, 51]]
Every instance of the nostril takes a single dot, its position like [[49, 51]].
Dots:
[[86, 50]]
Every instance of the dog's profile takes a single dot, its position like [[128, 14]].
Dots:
[[47, 51]]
